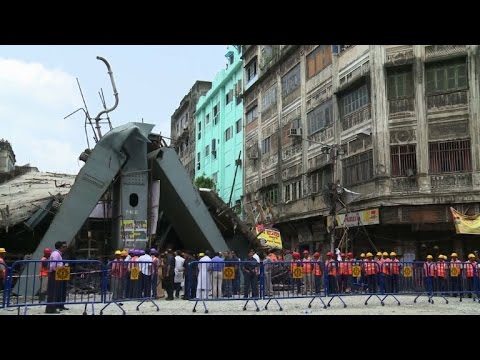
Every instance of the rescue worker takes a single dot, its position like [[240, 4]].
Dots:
[[429, 272], [296, 262], [394, 272], [118, 271], [307, 273], [371, 269], [3, 268], [331, 269], [441, 274], [317, 272], [385, 268], [470, 269], [42, 293], [456, 274]]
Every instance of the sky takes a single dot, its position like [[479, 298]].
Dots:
[[38, 89]]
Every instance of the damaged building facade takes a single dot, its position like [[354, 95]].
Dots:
[[183, 126], [403, 124]]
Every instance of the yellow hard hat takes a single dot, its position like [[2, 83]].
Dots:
[[369, 254], [393, 253], [2, 250], [362, 255], [440, 256], [118, 252], [379, 253], [445, 257], [429, 257], [471, 256], [454, 255], [201, 254], [385, 253], [124, 253]]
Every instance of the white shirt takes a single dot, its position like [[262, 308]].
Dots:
[[145, 268], [256, 257]]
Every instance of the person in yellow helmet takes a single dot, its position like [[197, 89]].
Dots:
[[441, 274], [394, 272], [429, 272], [470, 267], [456, 275]]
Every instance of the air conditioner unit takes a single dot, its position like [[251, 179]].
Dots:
[[295, 132]]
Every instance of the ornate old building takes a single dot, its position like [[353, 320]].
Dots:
[[398, 124]]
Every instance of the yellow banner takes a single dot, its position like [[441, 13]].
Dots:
[[269, 238], [466, 224], [358, 218]]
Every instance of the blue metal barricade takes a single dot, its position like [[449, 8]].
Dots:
[[217, 281], [4, 286], [67, 282], [130, 281]]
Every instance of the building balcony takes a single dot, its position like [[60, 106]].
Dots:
[[444, 51], [450, 181], [404, 184], [399, 106], [357, 117], [451, 99]]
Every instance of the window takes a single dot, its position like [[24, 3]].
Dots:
[[446, 76], [207, 150], [266, 145], [320, 179], [198, 157], [293, 191], [358, 168], [251, 114], [207, 119], [270, 196], [318, 59], [400, 83], [291, 81], [295, 123], [215, 177], [403, 159], [228, 134], [251, 70], [238, 125], [320, 117], [229, 97], [199, 130], [269, 98], [450, 156], [214, 145], [216, 113], [355, 100]]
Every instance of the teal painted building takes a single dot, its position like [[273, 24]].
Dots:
[[219, 130]]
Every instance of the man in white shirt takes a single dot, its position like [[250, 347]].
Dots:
[[145, 262], [179, 271]]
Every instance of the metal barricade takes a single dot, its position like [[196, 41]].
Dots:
[[221, 281], [60, 283], [130, 281]]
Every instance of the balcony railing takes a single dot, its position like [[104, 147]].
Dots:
[[447, 99], [451, 181], [356, 117], [396, 106]]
